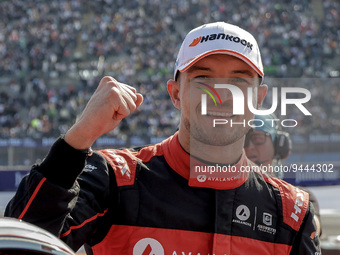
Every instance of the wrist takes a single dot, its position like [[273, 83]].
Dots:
[[78, 138], [87, 151]]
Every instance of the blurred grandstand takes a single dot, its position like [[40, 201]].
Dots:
[[53, 53]]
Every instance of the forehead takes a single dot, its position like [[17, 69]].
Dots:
[[223, 63]]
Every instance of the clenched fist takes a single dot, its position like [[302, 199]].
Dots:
[[110, 103]]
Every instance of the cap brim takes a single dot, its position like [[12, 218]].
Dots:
[[187, 65]]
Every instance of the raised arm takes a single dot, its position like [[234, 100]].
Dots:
[[69, 192], [110, 103]]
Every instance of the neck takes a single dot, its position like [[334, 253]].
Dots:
[[227, 154]]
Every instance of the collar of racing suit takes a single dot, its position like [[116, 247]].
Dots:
[[201, 174]]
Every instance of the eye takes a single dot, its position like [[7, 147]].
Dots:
[[239, 80], [201, 77]]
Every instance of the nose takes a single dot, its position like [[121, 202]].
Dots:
[[224, 93], [231, 95], [248, 144]]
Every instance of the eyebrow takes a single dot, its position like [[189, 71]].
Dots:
[[246, 72], [204, 68], [198, 68]]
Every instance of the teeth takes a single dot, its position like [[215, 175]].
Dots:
[[220, 114]]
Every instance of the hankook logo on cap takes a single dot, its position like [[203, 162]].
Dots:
[[222, 36], [195, 41]]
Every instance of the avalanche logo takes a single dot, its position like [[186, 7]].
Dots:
[[242, 212], [147, 246], [201, 178]]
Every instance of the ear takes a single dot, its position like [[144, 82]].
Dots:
[[262, 92], [173, 89]]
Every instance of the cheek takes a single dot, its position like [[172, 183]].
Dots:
[[247, 150], [190, 99], [250, 94], [254, 95], [269, 149]]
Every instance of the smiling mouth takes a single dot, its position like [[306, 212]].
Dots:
[[219, 114]]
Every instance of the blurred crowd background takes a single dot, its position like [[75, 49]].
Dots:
[[53, 54]]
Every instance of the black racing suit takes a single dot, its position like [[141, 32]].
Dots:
[[145, 201]]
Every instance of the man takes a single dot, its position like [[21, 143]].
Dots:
[[150, 200], [267, 145]]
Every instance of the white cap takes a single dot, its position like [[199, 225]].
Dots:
[[218, 38]]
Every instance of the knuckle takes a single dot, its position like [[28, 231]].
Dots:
[[114, 93], [106, 79], [133, 89]]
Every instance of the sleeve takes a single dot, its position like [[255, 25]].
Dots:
[[315, 203], [307, 239], [67, 194]]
